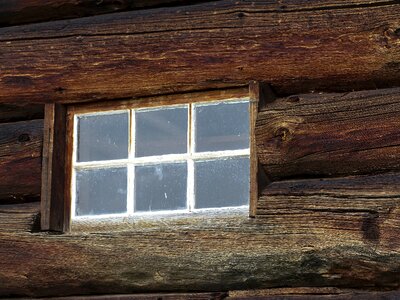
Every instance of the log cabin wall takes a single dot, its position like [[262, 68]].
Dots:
[[328, 140]]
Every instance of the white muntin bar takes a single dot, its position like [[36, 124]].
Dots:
[[190, 180], [130, 203], [73, 172]]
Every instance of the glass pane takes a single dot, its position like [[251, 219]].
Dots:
[[103, 137], [101, 191], [161, 187], [161, 131], [223, 126], [222, 183]]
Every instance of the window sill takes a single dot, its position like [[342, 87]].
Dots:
[[173, 221]]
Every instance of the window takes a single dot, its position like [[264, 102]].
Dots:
[[171, 158], [157, 155]]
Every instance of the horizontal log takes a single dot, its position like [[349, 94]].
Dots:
[[273, 294], [331, 244], [312, 293], [20, 160], [175, 296], [210, 45], [21, 217], [324, 135], [14, 113], [14, 12]]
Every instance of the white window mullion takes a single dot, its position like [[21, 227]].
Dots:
[[131, 167], [190, 166], [190, 183]]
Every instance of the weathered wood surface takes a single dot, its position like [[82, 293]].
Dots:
[[272, 294], [20, 160], [342, 237], [14, 12], [55, 170], [21, 217], [313, 293], [318, 135], [14, 113], [175, 296], [376, 198], [210, 45]]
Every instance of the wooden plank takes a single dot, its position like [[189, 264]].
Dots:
[[20, 160], [54, 168], [260, 94], [200, 47], [324, 135], [15, 12], [212, 252], [255, 92]]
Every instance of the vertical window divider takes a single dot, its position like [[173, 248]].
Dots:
[[73, 169], [131, 166], [190, 162]]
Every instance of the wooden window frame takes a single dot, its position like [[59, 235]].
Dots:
[[59, 136]]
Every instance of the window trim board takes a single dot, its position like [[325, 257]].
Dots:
[[58, 146]]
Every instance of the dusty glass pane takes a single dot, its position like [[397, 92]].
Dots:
[[222, 183], [103, 137], [160, 187], [161, 131], [101, 191], [223, 126]]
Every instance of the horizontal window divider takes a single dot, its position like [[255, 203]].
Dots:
[[219, 154], [154, 160], [101, 164]]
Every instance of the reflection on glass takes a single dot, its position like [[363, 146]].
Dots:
[[222, 126], [101, 191], [103, 137], [160, 187], [222, 182], [161, 131]]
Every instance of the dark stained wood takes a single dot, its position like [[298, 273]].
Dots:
[[258, 98], [204, 252], [54, 169], [325, 135], [14, 113], [20, 160], [176, 296], [211, 45], [14, 12]]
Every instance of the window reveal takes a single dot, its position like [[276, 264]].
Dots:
[[173, 158]]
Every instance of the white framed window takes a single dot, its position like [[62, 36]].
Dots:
[[161, 159]]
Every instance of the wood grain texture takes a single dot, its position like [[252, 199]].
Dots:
[[20, 160], [170, 296], [205, 46], [272, 294], [54, 169], [14, 12], [13, 113], [305, 293], [310, 240], [324, 135]]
